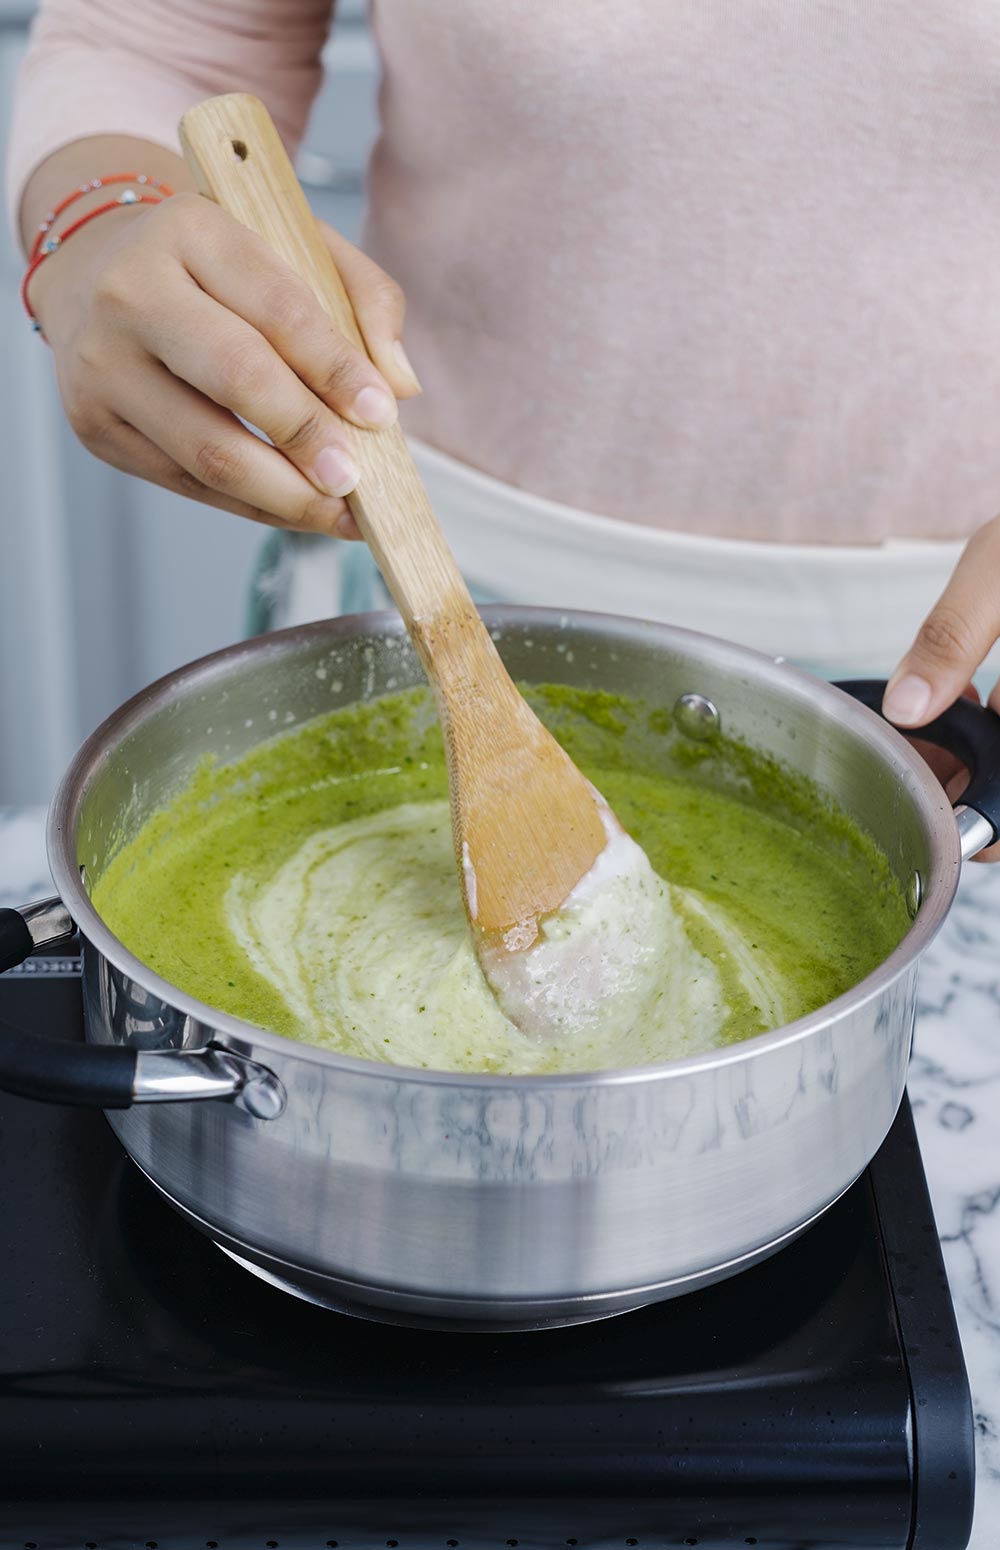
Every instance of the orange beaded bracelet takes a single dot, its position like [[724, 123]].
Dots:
[[44, 246]]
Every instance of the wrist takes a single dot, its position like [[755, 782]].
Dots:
[[64, 184], [78, 163], [68, 272]]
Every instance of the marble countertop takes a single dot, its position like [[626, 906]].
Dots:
[[954, 1090]]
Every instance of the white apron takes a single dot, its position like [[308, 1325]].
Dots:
[[840, 611]]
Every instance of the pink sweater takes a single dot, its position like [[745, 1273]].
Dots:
[[729, 269]]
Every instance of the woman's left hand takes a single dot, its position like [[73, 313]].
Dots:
[[951, 644]]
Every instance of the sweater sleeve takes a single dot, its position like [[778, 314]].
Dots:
[[133, 67]]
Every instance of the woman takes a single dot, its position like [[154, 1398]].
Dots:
[[702, 299]]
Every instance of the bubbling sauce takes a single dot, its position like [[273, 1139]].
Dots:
[[311, 887]]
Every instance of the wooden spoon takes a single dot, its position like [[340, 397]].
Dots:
[[527, 824]]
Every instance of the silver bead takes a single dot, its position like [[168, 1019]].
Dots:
[[130, 197], [50, 244]]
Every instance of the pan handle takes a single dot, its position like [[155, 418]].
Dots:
[[972, 733], [114, 1076], [25, 931]]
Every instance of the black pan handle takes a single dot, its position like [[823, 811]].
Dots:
[[100, 1076], [26, 931], [16, 941], [970, 731], [92, 1076], [114, 1076]]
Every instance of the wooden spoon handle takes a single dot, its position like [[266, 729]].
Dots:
[[237, 156], [526, 822]]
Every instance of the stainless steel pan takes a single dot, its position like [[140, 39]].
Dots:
[[492, 1201]]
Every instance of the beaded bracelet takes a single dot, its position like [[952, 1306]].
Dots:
[[90, 187], [44, 246]]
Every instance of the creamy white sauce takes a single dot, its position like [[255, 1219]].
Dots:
[[363, 934], [606, 944]]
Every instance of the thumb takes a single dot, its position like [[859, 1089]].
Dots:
[[954, 638]]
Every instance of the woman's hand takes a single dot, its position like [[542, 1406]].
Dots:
[[951, 644], [169, 322]]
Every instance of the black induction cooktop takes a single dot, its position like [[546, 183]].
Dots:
[[156, 1396]]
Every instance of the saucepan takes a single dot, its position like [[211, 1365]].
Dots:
[[488, 1201]]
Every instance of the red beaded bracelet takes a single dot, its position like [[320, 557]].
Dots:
[[44, 246], [90, 187]]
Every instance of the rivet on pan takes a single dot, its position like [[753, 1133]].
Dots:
[[263, 1096], [697, 717], [914, 894]]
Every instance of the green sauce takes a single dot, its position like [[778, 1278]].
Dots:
[[807, 890]]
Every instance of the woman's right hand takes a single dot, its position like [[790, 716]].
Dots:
[[169, 321]]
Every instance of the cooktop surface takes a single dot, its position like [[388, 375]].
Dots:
[[156, 1396]]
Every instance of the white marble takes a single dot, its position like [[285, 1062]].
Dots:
[[954, 1089]]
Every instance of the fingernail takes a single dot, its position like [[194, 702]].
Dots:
[[346, 527], [403, 362], [336, 472], [376, 407], [906, 701]]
